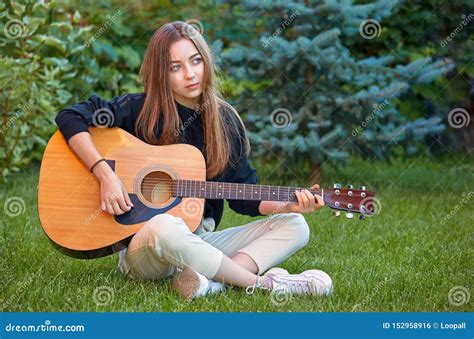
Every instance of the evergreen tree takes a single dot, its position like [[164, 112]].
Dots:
[[316, 101]]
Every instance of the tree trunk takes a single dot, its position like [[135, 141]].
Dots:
[[316, 173]]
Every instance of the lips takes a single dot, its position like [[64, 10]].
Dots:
[[192, 85]]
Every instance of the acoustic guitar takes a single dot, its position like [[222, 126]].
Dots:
[[159, 179]]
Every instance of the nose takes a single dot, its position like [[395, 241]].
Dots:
[[189, 73]]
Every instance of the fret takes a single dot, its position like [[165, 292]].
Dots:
[[237, 191]]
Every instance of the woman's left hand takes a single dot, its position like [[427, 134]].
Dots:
[[307, 202]]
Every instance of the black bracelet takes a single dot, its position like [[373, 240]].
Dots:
[[92, 168]]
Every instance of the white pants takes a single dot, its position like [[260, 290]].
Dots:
[[165, 243]]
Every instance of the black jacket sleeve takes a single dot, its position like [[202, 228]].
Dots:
[[240, 171], [95, 112]]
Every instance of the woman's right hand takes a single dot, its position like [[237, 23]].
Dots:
[[114, 197]]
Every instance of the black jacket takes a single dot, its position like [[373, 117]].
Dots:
[[77, 118]]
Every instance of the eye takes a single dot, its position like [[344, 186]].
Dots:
[[174, 69], [197, 60]]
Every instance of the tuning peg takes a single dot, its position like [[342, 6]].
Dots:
[[350, 186], [337, 185], [349, 215], [362, 188], [362, 217], [336, 213]]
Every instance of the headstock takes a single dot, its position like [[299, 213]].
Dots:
[[351, 200]]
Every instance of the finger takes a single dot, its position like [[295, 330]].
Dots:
[[109, 208], [127, 198], [122, 204], [103, 206], [304, 199], [300, 200], [311, 200], [320, 201], [116, 208]]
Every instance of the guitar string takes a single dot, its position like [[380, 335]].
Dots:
[[191, 182], [153, 183]]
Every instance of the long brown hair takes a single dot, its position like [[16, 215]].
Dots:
[[218, 117]]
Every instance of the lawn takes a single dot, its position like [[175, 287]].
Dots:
[[407, 258]]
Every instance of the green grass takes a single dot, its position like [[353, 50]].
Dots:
[[407, 258]]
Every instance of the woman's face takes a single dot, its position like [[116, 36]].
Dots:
[[186, 69]]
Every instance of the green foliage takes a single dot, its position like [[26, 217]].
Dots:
[[34, 70], [316, 65], [330, 102]]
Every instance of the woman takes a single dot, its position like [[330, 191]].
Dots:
[[181, 104]]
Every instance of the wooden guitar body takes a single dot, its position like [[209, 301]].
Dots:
[[69, 195]]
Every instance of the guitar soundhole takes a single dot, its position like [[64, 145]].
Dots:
[[156, 187]]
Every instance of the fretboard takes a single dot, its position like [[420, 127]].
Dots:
[[234, 191]]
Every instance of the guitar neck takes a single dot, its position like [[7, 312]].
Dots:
[[235, 191]]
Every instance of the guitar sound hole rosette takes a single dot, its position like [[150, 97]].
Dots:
[[153, 186]]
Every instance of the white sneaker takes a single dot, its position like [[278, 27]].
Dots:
[[191, 284], [276, 270], [311, 282]]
